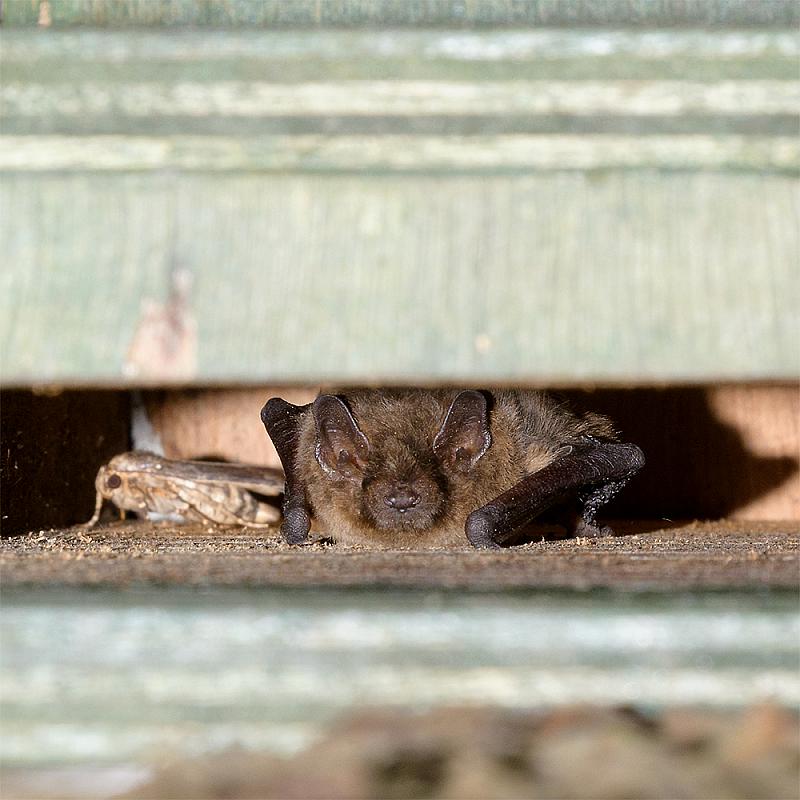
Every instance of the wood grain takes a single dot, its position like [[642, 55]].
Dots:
[[279, 13], [526, 204], [645, 557], [559, 277]]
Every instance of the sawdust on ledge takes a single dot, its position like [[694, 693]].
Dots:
[[642, 556]]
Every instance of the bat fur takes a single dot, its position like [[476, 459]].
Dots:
[[440, 468]]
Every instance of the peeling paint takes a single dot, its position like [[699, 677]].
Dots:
[[164, 345]]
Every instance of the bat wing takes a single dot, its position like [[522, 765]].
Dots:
[[282, 421], [592, 472]]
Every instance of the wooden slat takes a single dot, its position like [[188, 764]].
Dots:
[[647, 557], [401, 98], [630, 276], [393, 153], [70, 57], [412, 206], [280, 13]]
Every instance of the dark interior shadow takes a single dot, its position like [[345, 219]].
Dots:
[[52, 446], [697, 465]]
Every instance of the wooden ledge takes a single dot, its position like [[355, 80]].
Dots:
[[644, 556]]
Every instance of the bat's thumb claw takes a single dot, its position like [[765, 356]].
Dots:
[[480, 530], [635, 457], [296, 525]]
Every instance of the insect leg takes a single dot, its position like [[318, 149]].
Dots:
[[98, 507], [593, 472]]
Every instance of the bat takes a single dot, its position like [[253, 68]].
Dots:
[[436, 468], [199, 491]]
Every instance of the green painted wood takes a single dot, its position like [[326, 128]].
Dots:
[[390, 153], [280, 13], [553, 277], [543, 206], [145, 100], [66, 57]]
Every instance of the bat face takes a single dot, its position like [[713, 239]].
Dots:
[[393, 480], [397, 468], [411, 499], [412, 473]]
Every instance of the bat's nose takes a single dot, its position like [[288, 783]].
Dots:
[[401, 498]]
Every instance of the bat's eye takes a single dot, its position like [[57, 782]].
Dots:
[[114, 482]]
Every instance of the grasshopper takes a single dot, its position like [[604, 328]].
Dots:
[[198, 491]]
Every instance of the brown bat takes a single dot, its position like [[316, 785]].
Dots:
[[417, 468], [199, 491]]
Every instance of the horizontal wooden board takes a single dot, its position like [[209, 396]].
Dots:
[[655, 556], [110, 57], [538, 205], [552, 277], [396, 153], [400, 98], [445, 83], [280, 13]]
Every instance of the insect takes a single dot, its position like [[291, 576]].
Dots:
[[200, 491], [418, 468]]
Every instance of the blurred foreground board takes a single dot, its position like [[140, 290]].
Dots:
[[408, 203], [299, 13]]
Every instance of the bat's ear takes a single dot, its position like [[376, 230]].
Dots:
[[342, 448], [464, 436]]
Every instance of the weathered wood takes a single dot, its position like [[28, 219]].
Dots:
[[223, 423], [559, 277], [645, 557], [365, 205], [412, 83], [293, 13], [115, 82], [240, 99], [57, 57], [391, 153]]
